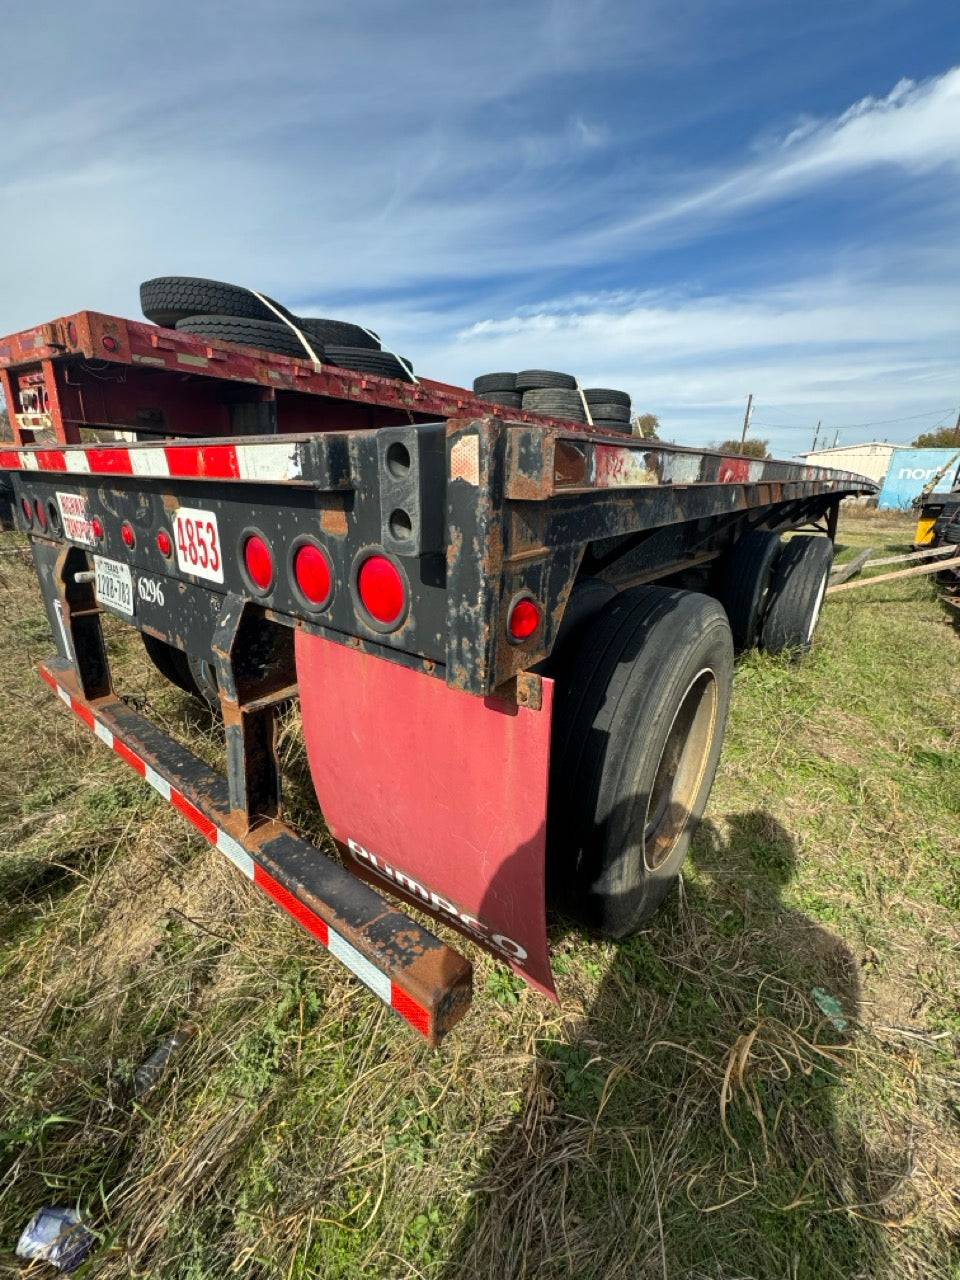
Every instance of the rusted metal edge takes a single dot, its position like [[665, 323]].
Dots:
[[426, 982]]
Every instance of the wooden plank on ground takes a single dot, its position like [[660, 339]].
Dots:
[[915, 572], [844, 571], [914, 555]]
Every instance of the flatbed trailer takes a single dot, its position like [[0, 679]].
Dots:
[[511, 639]]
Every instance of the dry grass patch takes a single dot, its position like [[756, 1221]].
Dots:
[[699, 1107]]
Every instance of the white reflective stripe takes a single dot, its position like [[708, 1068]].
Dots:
[[235, 852], [359, 965], [77, 460], [158, 783], [29, 462], [103, 733], [269, 461], [64, 696], [149, 462]]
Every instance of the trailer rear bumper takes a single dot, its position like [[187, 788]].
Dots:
[[426, 982]]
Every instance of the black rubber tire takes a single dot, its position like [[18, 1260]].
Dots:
[[606, 424], [538, 379], [587, 597], [339, 332], [555, 404], [606, 395], [741, 581], [797, 587], [172, 663], [361, 360], [167, 299], [494, 382], [265, 335], [638, 721], [509, 399], [951, 531], [204, 676], [611, 412]]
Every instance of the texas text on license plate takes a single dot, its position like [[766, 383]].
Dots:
[[114, 585], [197, 540]]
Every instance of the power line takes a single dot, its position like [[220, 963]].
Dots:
[[857, 426]]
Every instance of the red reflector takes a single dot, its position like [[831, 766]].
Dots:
[[164, 545], [127, 534], [41, 514], [110, 343], [259, 562], [381, 589], [96, 527], [27, 507], [311, 568], [524, 619]]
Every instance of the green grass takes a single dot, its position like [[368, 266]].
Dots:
[[689, 1111]]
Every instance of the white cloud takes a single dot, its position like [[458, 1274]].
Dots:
[[847, 350], [915, 128]]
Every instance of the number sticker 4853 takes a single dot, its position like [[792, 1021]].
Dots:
[[197, 540]]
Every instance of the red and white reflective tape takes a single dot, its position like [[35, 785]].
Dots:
[[267, 461], [380, 983]]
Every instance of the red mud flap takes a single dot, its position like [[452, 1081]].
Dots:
[[440, 795], [425, 982]]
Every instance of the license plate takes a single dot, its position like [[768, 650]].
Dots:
[[114, 585], [197, 540]]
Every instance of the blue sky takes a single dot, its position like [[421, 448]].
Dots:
[[691, 200]]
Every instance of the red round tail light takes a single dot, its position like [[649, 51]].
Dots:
[[311, 569], [26, 507], [524, 620], [381, 590], [258, 561], [128, 536], [41, 513], [164, 545], [96, 527]]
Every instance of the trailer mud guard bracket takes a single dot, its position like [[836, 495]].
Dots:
[[427, 983]]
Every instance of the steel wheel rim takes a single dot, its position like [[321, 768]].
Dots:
[[681, 768]]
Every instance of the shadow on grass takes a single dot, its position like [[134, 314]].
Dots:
[[687, 1125]]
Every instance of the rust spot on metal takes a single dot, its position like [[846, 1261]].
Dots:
[[333, 518]]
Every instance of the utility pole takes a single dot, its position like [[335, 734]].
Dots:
[[836, 438], [746, 421], [816, 437], [956, 429]]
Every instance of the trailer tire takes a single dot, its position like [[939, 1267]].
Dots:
[[798, 585], [541, 379], [742, 581], [383, 364], [167, 299], [587, 597], [204, 677], [609, 410], [494, 382], [606, 395], [338, 331], [171, 662], [509, 399], [265, 335], [638, 727]]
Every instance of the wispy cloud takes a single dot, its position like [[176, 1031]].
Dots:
[[436, 170]]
